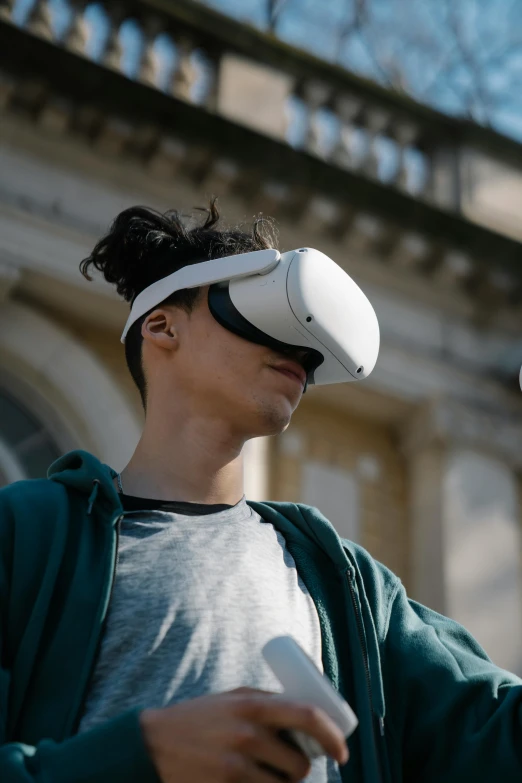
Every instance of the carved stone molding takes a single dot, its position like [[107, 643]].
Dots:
[[453, 423], [9, 277]]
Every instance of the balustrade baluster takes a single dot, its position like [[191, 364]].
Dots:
[[428, 185], [376, 122], [40, 20], [78, 33], [211, 101], [347, 109], [184, 75], [406, 135], [111, 57], [315, 94], [6, 10], [149, 66]]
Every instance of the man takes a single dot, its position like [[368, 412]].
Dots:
[[134, 607]]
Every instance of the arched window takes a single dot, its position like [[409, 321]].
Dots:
[[26, 447]]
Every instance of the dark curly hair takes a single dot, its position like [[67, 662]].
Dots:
[[143, 246]]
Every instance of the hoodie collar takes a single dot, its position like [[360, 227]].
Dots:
[[304, 525], [84, 473]]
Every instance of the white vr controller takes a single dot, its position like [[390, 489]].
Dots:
[[302, 681], [296, 301]]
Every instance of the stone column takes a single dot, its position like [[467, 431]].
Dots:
[[466, 522], [427, 546]]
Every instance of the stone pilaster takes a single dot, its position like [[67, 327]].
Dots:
[[466, 536]]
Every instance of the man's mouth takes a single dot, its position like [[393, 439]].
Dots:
[[292, 370]]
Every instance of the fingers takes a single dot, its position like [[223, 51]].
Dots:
[[265, 747], [238, 769], [276, 773], [279, 713], [258, 774]]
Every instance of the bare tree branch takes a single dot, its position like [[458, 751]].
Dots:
[[500, 56], [478, 87], [356, 17], [273, 11]]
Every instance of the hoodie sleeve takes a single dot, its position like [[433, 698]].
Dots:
[[113, 752], [452, 715]]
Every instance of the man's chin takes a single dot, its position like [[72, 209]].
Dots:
[[274, 420], [263, 415]]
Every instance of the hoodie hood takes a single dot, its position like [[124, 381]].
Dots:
[[84, 473]]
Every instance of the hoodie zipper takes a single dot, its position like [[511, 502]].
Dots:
[[360, 630], [114, 569], [351, 576]]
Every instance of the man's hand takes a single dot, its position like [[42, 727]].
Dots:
[[226, 737]]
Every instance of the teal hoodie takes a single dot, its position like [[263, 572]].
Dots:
[[431, 705]]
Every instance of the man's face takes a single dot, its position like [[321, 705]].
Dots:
[[220, 375]]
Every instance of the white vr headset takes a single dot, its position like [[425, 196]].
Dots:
[[300, 303]]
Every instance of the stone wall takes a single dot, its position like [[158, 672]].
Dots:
[[367, 456]]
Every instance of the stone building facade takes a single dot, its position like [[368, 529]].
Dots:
[[420, 463]]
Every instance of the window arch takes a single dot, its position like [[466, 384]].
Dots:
[[61, 383], [27, 448]]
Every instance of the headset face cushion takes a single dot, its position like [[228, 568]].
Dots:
[[226, 314]]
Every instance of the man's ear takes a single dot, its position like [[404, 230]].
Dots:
[[159, 329]]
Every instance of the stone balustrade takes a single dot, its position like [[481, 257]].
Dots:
[[400, 180], [326, 112]]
